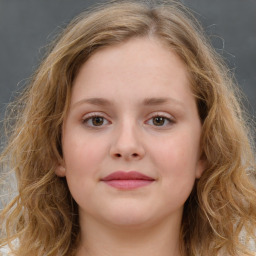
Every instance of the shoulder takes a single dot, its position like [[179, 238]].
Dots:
[[5, 251]]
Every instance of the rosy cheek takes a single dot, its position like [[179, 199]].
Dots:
[[165, 153], [88, 154], [175, 155]]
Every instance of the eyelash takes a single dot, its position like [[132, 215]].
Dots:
[[90, 117], [166, 118]]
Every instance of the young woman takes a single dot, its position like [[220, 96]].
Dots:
[[130, 140]]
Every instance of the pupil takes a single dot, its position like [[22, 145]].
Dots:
[[97, 121], [158, 120]]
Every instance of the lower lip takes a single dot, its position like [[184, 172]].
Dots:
[[128, 184]]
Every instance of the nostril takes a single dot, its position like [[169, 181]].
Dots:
[[132, 155]]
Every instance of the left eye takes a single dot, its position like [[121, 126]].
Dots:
[[160, 121]]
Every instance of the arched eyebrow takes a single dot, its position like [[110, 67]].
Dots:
[[160, 101], [94, 101], [154, 101]]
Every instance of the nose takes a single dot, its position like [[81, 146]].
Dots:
[[127, 143]]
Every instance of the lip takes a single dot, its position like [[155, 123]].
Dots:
[[127, 180], [132, 175]]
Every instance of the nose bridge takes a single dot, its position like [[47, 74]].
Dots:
[[127, 141]]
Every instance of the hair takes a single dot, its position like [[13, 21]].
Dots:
[[219, 215]]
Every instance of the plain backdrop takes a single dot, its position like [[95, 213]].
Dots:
[[27, 26]]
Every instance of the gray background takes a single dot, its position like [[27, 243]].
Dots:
[[27, 26]]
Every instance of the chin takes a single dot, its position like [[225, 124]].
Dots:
[[129, 219]]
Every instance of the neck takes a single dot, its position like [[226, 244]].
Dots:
[[98, 239]]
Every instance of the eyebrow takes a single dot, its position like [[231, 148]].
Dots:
[[160, 101], [146, 102]]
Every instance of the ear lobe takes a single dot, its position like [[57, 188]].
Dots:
[[201, 166], [60, 171]]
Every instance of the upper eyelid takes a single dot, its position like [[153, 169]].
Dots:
[[163, 114], [156, 113], [92, 114]]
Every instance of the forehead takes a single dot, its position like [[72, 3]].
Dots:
[[139, 67]]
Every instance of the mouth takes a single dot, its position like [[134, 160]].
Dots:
[[127, 180]]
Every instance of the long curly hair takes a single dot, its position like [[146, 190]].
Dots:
[[220, 214]]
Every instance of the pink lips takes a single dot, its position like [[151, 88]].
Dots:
[[127, 180]]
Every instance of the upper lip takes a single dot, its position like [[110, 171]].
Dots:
[[131, 175]]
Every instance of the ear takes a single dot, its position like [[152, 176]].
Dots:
[[60, 169], [201, 166]]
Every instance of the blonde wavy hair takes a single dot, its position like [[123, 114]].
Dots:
[[220, 214]]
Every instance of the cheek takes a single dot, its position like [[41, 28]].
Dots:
[[177, 160], [82, 159], [178, 152], [82, 154], [82, 163]]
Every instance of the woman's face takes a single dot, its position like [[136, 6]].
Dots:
[[131, 136]]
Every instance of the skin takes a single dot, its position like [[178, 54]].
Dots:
[[129, 136]]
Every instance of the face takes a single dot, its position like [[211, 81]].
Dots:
[[131, 136]]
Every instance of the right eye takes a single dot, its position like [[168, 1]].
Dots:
[[95, 120]]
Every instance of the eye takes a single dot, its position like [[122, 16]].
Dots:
[[95, 120], [160, 120]]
